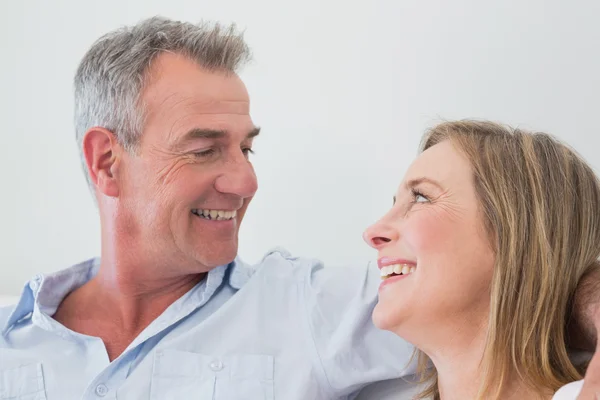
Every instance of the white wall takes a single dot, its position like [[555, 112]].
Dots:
[[342, 89], [8, 300]]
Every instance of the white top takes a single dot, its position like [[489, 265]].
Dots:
[[569, 391]]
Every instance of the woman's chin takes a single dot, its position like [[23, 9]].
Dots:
[[385, 319]]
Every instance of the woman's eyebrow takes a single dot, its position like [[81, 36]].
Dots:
[[417, 181]]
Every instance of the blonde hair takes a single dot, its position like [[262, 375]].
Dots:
[[540, 204]]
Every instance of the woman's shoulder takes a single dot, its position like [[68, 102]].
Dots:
[[569, 392]]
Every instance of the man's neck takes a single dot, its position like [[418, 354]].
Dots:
[[117, 306], [134, 285], [137, 301]]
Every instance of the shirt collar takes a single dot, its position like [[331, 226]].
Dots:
[[239, 273], [23, 309], [46, 292]]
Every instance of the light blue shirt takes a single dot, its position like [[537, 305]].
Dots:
[[285, 329]]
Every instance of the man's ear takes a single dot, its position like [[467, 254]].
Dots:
[[102, 156]]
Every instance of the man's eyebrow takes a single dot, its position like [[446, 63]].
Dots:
[[200, 133], [253, 133]]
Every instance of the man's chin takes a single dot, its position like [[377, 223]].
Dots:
[[217, 257]]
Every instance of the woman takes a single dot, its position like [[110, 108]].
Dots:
[[489, 234]]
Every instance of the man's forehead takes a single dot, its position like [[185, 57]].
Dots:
[[186, 100], [203, 105], [196, 100], [174, 80]]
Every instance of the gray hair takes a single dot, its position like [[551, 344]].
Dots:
[[111, 75]]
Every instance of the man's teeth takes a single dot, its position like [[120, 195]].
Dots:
[[396, 269], [218, 215]]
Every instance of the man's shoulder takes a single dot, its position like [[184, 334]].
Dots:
[[280, 256], [333, 284], [280, 261]]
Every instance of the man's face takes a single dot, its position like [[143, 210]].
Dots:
[[184, 194]]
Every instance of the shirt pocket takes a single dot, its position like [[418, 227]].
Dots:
[[186, 375], [22, 383]]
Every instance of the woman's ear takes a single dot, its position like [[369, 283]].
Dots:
[[102, 156]]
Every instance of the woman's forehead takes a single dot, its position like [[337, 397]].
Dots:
[[442, 162]]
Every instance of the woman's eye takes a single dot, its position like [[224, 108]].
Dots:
[[419, 198]]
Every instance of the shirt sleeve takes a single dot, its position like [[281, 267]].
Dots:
[[353, 353]]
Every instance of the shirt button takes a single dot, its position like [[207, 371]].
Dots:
[[101, 390], [216, 365]]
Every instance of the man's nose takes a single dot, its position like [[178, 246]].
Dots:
[[379, 234], [238, 178]]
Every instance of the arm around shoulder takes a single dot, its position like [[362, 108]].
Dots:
[[351, 350]]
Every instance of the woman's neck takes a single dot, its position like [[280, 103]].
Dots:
[[457, 354], [460, 372], [458, 364], [464, 383]]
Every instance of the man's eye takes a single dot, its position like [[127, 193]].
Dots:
[[204, 153], [247, 151]]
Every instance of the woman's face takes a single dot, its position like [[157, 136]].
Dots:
[[435, 235]]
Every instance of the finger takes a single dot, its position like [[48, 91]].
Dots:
[[591, 382]]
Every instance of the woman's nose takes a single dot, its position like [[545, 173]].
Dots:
[[379, 234]]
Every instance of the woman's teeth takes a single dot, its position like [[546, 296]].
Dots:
[[218, 215], [396, 269]]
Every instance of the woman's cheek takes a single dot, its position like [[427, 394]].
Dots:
[[428, 233]]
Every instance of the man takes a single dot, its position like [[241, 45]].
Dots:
[[168, 311]]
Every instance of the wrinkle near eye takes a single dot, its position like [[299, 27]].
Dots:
[[171, 161], [169, 172], [446, 208]]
